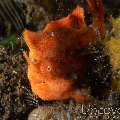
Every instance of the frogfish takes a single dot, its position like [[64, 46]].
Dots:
[[56, 65]]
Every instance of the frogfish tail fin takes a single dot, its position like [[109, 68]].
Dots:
[[97, 10]]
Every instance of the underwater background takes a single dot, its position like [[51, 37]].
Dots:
[[17, 102]]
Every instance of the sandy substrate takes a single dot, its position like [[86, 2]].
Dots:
[[17, 101]]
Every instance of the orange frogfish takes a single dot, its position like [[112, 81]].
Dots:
[[56, 65]]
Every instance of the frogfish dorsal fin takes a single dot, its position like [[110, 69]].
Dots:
[[76, 18]]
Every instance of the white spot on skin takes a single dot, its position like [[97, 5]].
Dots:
[[52, 34], [48, 68]]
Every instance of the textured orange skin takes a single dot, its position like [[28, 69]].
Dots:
[[55, 59]]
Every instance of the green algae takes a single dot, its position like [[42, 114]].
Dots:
[[10, 41]]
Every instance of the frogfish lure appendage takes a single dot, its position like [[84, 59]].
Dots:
[[56, 67]]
